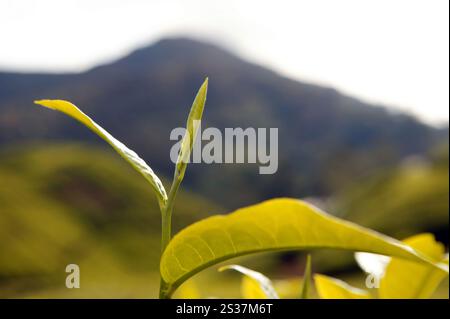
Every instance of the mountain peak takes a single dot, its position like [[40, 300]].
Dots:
[[144, 95], [179, 48], [185, 59], [185, 43]]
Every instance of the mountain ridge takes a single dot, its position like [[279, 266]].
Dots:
[[325, 137]]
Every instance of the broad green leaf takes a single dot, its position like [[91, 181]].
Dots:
[[274, 225], [130, 156], [405, 279], [254, 284], [332, 288], [304, 292], [194, 118]]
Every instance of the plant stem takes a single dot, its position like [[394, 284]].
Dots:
[[166, 225], [304, 294], [167, 214]]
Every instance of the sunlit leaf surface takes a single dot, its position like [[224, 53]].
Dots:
[[405, 279], [195, 115], [129, 155], [332, 288], [274, 225], [254, 284]]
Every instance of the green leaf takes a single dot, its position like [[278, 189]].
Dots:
[[254, 284], [306, 282], [130, 156], [274, 225], [332, 288], [195, 115], [406, 280]]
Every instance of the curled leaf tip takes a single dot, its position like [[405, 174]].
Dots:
[[51, 104], [204, 84], [42, 102], [223, 268]]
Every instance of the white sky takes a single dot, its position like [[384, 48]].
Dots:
[[394, 52]]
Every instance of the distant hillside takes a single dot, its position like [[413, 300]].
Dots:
[[326, 139], [410, 199], [63, 204]]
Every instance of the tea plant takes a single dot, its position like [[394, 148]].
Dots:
[[275, 225], [391, 277]]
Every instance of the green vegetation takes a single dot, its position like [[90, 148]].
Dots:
[[275, 225], [399, 278], [96, 211], [402, 201], [65, 203], [306, 280], [254, 285]]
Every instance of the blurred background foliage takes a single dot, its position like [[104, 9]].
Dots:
[[67, 198]]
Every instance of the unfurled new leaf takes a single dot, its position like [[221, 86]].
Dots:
[[332, 288], [194, 118], [130, 156], [274, 225], [254, 284]]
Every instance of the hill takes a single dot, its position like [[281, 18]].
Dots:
[[326, 139]]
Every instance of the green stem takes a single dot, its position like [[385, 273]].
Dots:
[[167, 214], [166, 225], [304, 293]]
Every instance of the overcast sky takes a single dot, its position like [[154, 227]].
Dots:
[[394, 52]]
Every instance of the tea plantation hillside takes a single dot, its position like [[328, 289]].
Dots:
[[63, 204]]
